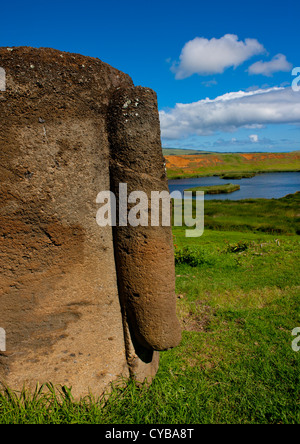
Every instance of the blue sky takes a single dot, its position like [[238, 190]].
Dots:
[[221, 70]]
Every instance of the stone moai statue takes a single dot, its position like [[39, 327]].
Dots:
[[80, 304]]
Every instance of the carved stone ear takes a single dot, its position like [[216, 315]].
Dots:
[[144, 254], [2, 79]]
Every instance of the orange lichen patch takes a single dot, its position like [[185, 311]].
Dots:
[[192, 161], [266, 156], [177, 161]]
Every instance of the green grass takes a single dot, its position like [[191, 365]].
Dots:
[[281, 216], [216, 189], [238, 302]]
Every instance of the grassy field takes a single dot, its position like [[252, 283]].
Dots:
[[238, 300], [197, 165], [216, 189], [276, 216]]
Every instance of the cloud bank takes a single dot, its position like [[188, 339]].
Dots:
[[202, 56], [231, 111]]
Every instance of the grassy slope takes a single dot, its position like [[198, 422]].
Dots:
[[179, 166], [239, 308], [237, 304]]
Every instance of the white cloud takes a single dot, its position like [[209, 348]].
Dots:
[[203, 56], [234, 110], [277, 64], [253, 138]]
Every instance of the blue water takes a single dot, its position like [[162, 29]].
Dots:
[[266, 185]]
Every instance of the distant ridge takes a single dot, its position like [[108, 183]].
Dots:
[[182, 151], [187, 151]]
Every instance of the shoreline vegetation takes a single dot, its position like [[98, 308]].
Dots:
[[229, 165], [236, 176], [216, 189]]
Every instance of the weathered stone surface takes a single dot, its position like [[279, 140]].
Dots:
[[144, 254], [59, 296]]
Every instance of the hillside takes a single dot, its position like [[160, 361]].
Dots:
[[196, 165]]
